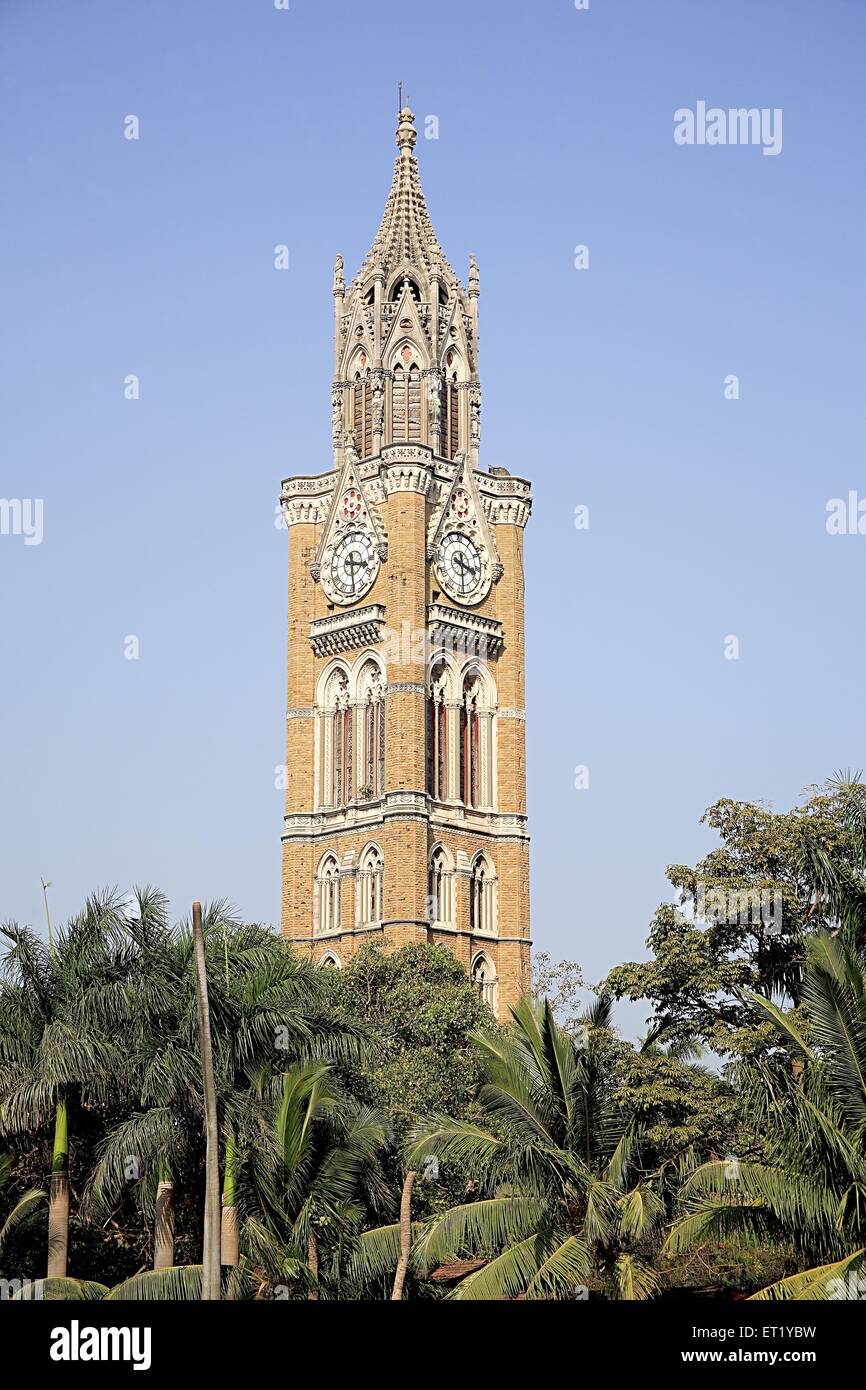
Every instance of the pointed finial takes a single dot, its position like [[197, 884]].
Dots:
[[406, 135], [474, 280], [339, 283]]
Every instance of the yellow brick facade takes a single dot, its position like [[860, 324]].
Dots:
[[371, 796]]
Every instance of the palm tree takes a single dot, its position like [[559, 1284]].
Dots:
[[162, 1079], [315, 1180], [269, 1011], [60, 1007], [551, 1205], [810, 1192]]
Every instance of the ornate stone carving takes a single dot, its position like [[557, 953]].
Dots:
[[475, 414], [340, 632], [470, 634], [337, 415]]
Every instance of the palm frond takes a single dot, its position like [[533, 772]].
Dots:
[[840, 1280]]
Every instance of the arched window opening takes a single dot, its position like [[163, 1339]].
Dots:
[[362, 414], [330, 961], [370, 877], [482, 898], [437, 733], [335, 751], [475, 740], [470, 745], [485, 981], [398, 287], [441, 888], [406, 401], [329, 896], [449, 417], [371, 731]]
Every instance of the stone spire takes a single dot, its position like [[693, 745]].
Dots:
[[406, 235]]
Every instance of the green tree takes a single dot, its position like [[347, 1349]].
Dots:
[[420, 1009], [685, 1110], [552, 1206], [702, 970], [810, 1192], [61, 1007], [269, 1012]]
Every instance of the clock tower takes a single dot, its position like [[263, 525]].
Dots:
[[405, 733]]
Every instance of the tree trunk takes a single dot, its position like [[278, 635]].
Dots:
[[229, 1236], [313, 1262], [229, 1239], [163, 1226], [58, 1196], [405, 1237], [210, 1279]]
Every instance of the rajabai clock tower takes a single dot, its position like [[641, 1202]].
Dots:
[[405, 736]]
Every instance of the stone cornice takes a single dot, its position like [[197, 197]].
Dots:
[[507, 500], [340, 632], [503, 826], [469, 633]]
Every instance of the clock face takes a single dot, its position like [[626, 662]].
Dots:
[[460, 565], [353, 566]]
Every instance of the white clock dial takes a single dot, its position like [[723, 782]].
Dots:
[[353, 566], [460, 565]]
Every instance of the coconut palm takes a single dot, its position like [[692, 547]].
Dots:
[[810, 1192], [61, 1007], [552, 1206], [313, 1179], [182, 1283]]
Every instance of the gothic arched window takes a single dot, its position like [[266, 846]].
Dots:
[[370, 876], [482, 897], [406, 400], [362, 414], [330, 961], [470, 748], [485, 981], [441, 888], [475, 741], [371, 731], [335, 741], [437, 732], [328, 890], [449, 416]]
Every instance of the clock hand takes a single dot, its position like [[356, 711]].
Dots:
[[353, 560]]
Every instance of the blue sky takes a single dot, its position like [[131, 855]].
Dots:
[[605, 387]]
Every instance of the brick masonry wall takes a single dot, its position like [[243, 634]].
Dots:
[[405, 584]]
